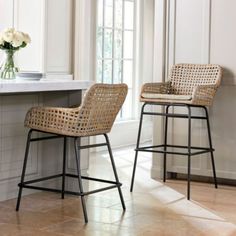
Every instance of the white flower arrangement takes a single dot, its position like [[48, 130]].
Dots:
[[11, 39]]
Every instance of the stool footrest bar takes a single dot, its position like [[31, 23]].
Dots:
[[69, 192], [200, 150], [102, 189], [26, 184], [174, 115], [91, 178]]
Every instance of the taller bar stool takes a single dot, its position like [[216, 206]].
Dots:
[[95, 116], [190, 86]]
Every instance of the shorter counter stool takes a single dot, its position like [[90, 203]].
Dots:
[[95, 116], [190, 86]]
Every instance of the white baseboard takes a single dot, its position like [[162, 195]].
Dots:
[[156, 172]]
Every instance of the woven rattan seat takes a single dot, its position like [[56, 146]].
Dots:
[[190, 86], [198, 82], [95, 116]]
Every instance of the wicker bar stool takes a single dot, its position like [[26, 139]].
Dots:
[[190, 86], [95, 116]]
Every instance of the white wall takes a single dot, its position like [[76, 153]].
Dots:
[[203, 31], [6, 17], [58, 36], [30, 21], [49, 24], [84, 40], [45, 158]]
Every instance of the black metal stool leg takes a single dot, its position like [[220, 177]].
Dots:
[[77, 156], [114, 170], [63, 169], [165, 143], [189, 152], [137, 146], [23, 170], [210, 144]]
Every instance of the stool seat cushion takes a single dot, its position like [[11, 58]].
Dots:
[[194, 84], [166, 96]]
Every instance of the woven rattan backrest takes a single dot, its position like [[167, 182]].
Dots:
[[100, 107], [184, 77]]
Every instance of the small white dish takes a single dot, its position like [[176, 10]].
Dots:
[[28, 78], [30, 75]]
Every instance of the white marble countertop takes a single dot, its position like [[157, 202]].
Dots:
[[43, 85]]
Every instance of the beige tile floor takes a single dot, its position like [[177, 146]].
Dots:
[[152, 209]]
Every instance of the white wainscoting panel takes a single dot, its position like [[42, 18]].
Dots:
[[217, 46], [6, 14], [223, 38], [59, 36], [6, 18], [29, 18], [45, 157], [223, 117], [49, 24], [188, 34], [203, 31], [188, 42], [13, 140]]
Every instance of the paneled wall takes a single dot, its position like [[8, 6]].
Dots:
[[58, 36], [188, 40], [31, 21], [203, 31], [45, 157], [6, 17], [12, 142], [49, 24]]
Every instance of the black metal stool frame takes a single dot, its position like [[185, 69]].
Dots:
[[81, 193], [189, 153]]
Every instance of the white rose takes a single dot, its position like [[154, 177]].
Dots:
[[26, 38], [9, 30], [18, 39], [15, 38], [8, 36]]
